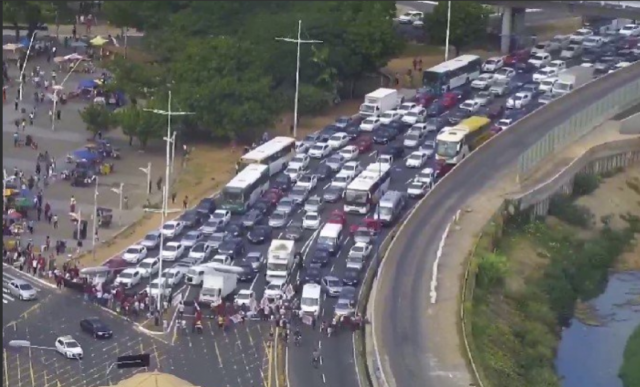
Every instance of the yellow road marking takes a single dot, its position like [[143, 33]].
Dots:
[[18, 367], [6, 366], [33, 377], [45, 378], [155, 352]]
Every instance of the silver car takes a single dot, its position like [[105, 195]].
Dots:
[[151, 240], [346, 304], [286, 205], [484, 98], [278, 219], [546, 98], [332, 285], [215, 240], [501, 88], [191, 238], [299, 194], [22, 289], [335, 162], [314, 204]]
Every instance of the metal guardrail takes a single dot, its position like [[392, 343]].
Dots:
[[581, 123], [616, 87]]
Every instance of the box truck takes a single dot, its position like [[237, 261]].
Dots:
[[572, 78], [379, 101], [216, 287]]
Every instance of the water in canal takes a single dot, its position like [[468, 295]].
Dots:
[[591, 356]]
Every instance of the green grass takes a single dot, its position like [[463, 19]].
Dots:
[[414, 50], [630, 370]]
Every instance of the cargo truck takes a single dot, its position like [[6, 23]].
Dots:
[[216, 287], [379, 101], [280, 259], [572, 78]]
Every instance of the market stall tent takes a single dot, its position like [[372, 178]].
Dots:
[[153, 379]]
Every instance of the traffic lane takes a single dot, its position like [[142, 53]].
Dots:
[[408, 280], [236, 357], [13, 308], [61, 316]]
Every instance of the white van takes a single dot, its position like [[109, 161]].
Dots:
[[195, 274], [390, 206], [329, 238], [310, 302]]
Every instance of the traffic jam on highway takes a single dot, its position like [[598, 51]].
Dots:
[[302, 219]]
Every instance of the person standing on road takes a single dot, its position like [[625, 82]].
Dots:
[[159, 183], [173, 197], [54, 219], [185, 202]]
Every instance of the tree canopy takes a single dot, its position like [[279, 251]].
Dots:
[[469, 21], [223, 62], [97, 118], [32, 14]]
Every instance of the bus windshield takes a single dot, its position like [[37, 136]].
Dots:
[[431, 80], [358, 197], [447, 148], [233, 195], [274, 266]]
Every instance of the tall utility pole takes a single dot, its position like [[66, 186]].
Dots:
[[55, 96], [165, 192], [298, 42], [446, 43], [24, 65], [147, 171], [95, 217]]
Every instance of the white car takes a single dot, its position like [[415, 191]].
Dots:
[[580, 34], [360, 250], [519, 100], [300, 160], [69, 348], [350, 152], [308, 181], [504, 123], [370, 124], [352, 169], [559, 42], [149, 267], [547, 84], [470, 105], [544, 73], [172, 229], [414, 116], [417, 189], [427, 175], [319, 151], [406, 107], [541, 48], [484, 81], [128, 277], [135, 254], [200, 251], [493, 64], [245, 297], [159, 286], [413, 138], [592, 42], [630, 30], [294, 172], [571, 52], [191, 238], [338, 140], [504, 73], [341, 180], [540, 60], [557, 64], [275, 289], [411, 17], [619, 66], [311, 221], [222, 259], [422, 127], [222, 217], [416, 160], [302, 147], [390, 116], [151, 240], [385, 160], [172, 251], [174, 275]]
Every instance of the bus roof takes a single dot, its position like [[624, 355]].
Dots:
[[251, 173], [454, 63], [267, 149], [473, 123], [452, 135], [368, 177]]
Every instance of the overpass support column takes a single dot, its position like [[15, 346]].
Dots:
[[505, 34]]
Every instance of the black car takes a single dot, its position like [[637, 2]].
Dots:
[[193, 218], [323, 172], [330, 130], [398, 126], [458, 115], [311, 274], [591, 55], [207, 206], [531, 87], [294, 231], [259, 234], [351, 277], [247, 274], [436, 109], [235, 229], [397, 151], [233, 247], [436, 124], [353, 132], [252, 218], [384, 135], [321, 257], [282, 182], [264, 205], [96, 328]]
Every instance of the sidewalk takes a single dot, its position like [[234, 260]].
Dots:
[[444, 316]]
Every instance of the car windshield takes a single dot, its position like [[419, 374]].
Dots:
[[304, 179], [278, 216], [349, 168], [309, 301], [501, 83], [313, 201], [133, 250], [413, 114], [151, 237], [169, 226], [484, 94], [517, 97], [424, 176], [331, 282], [504, 123], [547, 82], [273, 286], [25, 287], [168, 274], [415, 157], [145, 265], [311, 217], [286, 203], [416, 185], [171, 248], [370, 121], [490, 61], [357, 249], [243, 296], [218, 215], [341, 179], [570, 48], [298, 191], [318, 148], [125, 274], [503, 72], [71, 344], [413, 137], [190, 237]]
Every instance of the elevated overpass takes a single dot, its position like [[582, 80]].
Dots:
[[513, 13]]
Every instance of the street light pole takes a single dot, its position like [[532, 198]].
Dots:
[[446, 43], [147, 170], [24, 65], [173, 151], [165, 194], [119, 191], [55, 95], [95, 218], [298, 42]]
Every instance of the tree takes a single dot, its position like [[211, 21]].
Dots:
[[33, 14], [97, 118], [141, 125], [469, 22]]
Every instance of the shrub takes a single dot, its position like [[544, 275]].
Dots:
[[564, 209], [585, 184], [492, 270]]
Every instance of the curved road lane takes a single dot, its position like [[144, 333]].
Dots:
[[408, 351]]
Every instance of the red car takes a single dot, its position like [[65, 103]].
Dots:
[[425, 100], [273, 195], [449, 100], [338, 217], [367, 223], [364, 144], [520, 56]]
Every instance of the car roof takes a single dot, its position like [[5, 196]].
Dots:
[[172, 222], [278, 281], [136, 246], [129, 270], [66, 338], [19, 281], [245, 291], [331, 278], [193, 232], [149, 260], [173, 243], [154, 233]]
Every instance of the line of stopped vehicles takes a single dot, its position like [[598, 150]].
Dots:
[[304, 218]]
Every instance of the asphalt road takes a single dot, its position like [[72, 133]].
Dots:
[[403, 341]]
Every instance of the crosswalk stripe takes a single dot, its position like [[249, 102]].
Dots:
[[7, 297]]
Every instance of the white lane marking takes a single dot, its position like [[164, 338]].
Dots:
[[280, 236], [409, 181], [434, 272], [7, 297], [320, 344], [327, 186], [373, 153], [255, 279], [324, 380]]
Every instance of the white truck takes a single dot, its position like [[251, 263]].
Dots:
[[572, 78], [379, 101], [280, 259], [216, 287]]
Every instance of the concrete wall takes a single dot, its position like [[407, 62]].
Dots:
[[630, 125]]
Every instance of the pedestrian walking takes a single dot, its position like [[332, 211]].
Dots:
[[173, 197], [59, 114], [30, 227], [39, 211], [185, 202], [31, 117], [159, 183], [16, 104], [24, 124], [125, 202], [54, 219]]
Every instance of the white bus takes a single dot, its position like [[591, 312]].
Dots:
[[451, 74], [245, 188], [275, 153], [367, 188]]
